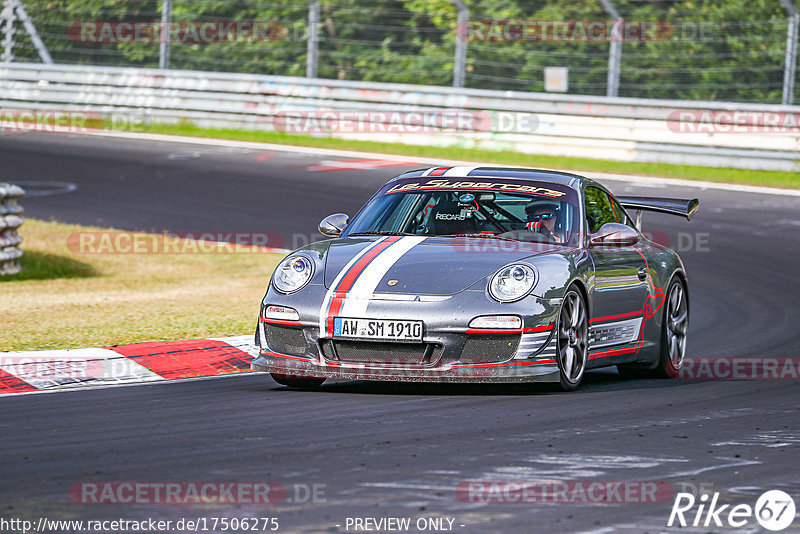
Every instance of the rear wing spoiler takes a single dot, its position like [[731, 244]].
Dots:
[[672, 206]]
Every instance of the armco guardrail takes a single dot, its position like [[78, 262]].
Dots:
[[10, 221], [626, 129]]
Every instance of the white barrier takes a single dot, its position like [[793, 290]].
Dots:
[[10, 221], [623, 129]]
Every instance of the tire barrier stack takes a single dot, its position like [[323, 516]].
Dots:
[[10, 221]]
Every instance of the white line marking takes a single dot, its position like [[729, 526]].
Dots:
[[133, 384]]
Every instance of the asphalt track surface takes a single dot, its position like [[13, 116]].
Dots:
[[397, 450]]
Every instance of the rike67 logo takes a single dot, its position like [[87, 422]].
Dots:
[[774, 510]]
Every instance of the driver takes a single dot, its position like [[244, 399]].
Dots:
[[542, 216]]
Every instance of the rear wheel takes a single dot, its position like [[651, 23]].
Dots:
[[296, 382], [573, 340], [673, 331], [673, 336]]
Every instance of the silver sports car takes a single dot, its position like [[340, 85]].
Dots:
[[464, 274]]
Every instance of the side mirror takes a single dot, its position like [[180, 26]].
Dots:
[[614, 235], [334, 225]]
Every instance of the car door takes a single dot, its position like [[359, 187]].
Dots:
[[620, 285]]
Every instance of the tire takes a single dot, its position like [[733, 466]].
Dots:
[[295, 382], [674, 327], [572, 339]]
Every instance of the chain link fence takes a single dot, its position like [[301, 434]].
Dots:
[[725, 50]]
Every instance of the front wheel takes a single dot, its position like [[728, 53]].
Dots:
[[573, 340], [296, 382]]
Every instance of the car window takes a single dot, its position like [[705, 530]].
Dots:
[[598, 209], [619, 214], [469, 211]]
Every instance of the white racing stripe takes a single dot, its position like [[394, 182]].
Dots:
[[355, 305], [323, 311], [459, 171]]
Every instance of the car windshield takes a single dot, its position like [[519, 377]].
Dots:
[[529, 211]]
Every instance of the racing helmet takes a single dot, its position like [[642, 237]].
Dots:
[[538, 204]]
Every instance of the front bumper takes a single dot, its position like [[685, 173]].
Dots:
[[306, 368], [450, 352]]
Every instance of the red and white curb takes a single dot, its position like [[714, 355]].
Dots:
[[49, 370]]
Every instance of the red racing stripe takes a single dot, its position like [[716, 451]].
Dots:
[[440, 171], [11, 384], [538, 328], [619, 316], [280, 321], [614, 352], [494, 331], [187, 359], [347, 281]]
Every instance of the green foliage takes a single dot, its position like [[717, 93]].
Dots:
[[715, 50]]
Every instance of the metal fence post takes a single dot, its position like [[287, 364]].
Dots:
[[313, 39], [10, 221], [7, 22], [31, 29], [462, 35], [166, 17], [790, 65], [614, 50]]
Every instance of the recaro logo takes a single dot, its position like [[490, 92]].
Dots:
[[450, 217], [774, 510]]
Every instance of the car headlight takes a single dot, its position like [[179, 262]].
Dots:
[[512, 283], [292, 274]]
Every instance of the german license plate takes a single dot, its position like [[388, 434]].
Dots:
[[377, 329]]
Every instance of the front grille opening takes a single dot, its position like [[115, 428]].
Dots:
[[490, 348], [383, 353], [285, 340]]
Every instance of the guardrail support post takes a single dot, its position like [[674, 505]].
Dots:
[[614, 50], [7, 23], [462, 35], [12, 10], [312, 56], [34, 35], [166, 17], [790, 65]]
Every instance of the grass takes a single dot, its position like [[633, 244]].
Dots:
[[67, 299], [788, 180]]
